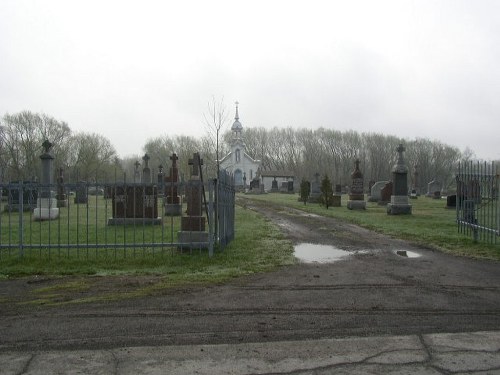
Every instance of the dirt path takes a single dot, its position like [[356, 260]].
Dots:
[[369, 293]]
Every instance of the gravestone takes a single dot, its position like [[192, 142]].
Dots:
[[26, 201], [385, 193], [433, 187], [376, 191], [134, 204], [81, 193], [451, 201], [356, 195], [137, 173], [399, 199], [61, 195], [415, 191], [274, 186], [192, 233], [160, 179], [173, 205], [315, 193], [146, 171], [46, 204]]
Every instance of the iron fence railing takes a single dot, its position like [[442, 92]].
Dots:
[[108, 220], [478, 210]]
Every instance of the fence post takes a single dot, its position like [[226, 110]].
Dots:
[[21, 221]]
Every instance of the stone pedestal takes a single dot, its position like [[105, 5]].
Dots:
[[46, 205], [399, 204], [46, 209], [192, 233], [356, 196]]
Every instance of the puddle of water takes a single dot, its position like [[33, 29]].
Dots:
[[407, 254], [313, 253]]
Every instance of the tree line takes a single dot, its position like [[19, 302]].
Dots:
[[305, 152]]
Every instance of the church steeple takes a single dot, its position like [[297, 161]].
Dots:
[[237, 128]]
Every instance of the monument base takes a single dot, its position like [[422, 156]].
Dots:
[[356, 205], [46, 209], [173, 209], [399, 205], [192, 240], [135, 221], [398, 209]]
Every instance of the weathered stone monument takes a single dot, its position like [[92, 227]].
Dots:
[[192, 233], [137, 203], [146, 171], [376, 191], [46, 205], [274, 186], [315, 193], [81, 193], [23, 198], [433, 189], [137, 173], [386, 193], [356, 194], [399, 200], [173, 205], [61, 194]]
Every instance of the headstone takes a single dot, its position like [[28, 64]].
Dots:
[[432, 187], [46, 204], [192, 233], [26, 201], [137, 174], [146, 171], [284, 187], [356, 196], [315, 193], [134, 204], [81, 193], [399, 199], [173, 205], [274, 186], [160, 179], [385, 193], [451, 201], [61, 195], [376, 191]]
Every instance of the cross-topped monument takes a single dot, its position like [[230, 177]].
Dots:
[[46, 146], [196, 162]]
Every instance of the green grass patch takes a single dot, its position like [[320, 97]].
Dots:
[[258, 246], [430, 224]]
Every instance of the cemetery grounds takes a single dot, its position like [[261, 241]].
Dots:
[[450, 293]]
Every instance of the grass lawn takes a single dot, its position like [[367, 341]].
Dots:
[[430, 224]]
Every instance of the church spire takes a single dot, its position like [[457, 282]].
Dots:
[[236, 116]]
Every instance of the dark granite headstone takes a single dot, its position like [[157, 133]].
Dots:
[[356, 195], [385, 194], [134, 204], [274, 186], [399, 204], [173, 205], [451, 201], [81, 193]]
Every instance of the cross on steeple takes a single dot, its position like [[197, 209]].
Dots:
[[236, 117]]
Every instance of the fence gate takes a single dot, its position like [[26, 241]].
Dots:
[[478, 211]]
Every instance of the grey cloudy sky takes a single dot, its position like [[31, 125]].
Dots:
[[133, 70]]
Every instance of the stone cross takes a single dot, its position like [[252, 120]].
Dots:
[[47, 146], [146, 160], [400, 151], [137, 164], [196, 162], [174, 159]]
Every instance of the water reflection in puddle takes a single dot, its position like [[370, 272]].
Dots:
[[313, 253], [407, 254]]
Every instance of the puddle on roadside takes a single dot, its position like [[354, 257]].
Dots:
[[407, 254], [314, 253]]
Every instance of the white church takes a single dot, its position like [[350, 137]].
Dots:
[[238, 162]]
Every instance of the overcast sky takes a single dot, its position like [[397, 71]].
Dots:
[[134, 70]]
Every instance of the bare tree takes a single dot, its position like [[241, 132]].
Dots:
[[215, 120]]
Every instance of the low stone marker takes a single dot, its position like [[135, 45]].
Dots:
[[376, 191]]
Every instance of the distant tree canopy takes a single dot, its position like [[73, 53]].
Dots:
[[303, 151]]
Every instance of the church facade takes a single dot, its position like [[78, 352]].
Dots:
[[243, 167]]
